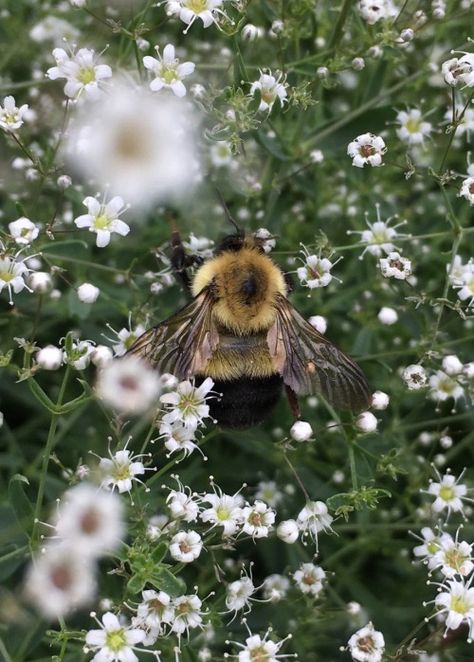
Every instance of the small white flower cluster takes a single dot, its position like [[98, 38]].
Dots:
[[461, 277], [88, 524], [78, 355], [450, 382], [452, 557], [316, 270], [313, 519], [128, 385], [186, 409]]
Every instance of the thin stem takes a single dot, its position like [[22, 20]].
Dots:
[[50, 442], [339, 29]]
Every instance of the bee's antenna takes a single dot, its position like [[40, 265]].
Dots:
[[227, 212]]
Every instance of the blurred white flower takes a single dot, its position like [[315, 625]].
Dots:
[[11, 117], [238, 594], [49, 357], [101, 355], [288, 531], [366, 422], [367, 644], [12, 275], [366, 149], [52, 28], [79, 355], [271, 90], [266, 238], [412, 130], [379, 237], [41, 281], [301, 431], [275, 587], [251, 32], [376, 11], [459, 70], [380, 400], [88, 293], [319, 322], [23, 231], [268, 491], [103, 219], [60, 580], [443, 387], [138, 144], [90, 520], [185, 546], [81, 71], [452, 365], [128, 385], [467, 190], [387, 315], [167, 71]]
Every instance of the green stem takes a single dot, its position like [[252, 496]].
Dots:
[[352, 464], [339, 29], [50, 442]]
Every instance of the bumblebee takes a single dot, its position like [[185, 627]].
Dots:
[[241, 330]]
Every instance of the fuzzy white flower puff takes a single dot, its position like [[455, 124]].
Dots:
[[103, 219], [168, 71]]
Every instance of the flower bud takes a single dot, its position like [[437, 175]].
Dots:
[[366, 422], [301, 431], [452, 365], [40, 282], [387, 316], [49, 357], [380, 400], [288, 531], [319, 322], [88, 293]]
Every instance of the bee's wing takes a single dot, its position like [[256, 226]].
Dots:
[[309, 363], [184, 342]]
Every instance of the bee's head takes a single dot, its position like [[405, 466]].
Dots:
[[238, 241]]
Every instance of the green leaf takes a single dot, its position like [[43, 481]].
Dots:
[[164, 580], [159, 552], [136, 583], [41, 396], [76, 307], [19, 501]]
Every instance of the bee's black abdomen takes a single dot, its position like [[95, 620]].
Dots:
[[246, 401]]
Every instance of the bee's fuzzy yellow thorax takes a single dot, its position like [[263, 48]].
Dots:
[[245, 284]]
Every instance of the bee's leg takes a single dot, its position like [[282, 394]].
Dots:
[[181, 262], [289, 280], [293, 401]]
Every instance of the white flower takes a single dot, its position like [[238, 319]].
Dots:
[[178, 437], [395, 266], [90, 520], [456, 603], [81, 72], [275, 587], [380, 400], [316, 271], [12, 275], [121, 470], [387, 315], [319, 322], [182, 506], [114, 642], [60, 580], [225, 511], [101, 355], [375, 11], [458, 272], [256, 649], [466, 286], [199, 246], [79, 355], [168, 71], [49, 357], [221, 154], [430, 545], [467, 190], [459, 70], [270, 89], [238, 593], [267, 490], [453, 557], [138, 144], [187, 613], [379, 237], [413, 130], [366, 149], [52, 28], [452, 365], [367, 644], [155, 611], [40, 281], [185, 546], [366, 422], [301, 431], [258, 519], [251, 32], [23, 231], [88, 293], [103, 219], [415, 377], [188, 403], [128, 385], [444, 387], [11, 117], [288, 531], [309, 578], [189, 10], [314, 518], [449, 494], [126, 338], [266, 239]]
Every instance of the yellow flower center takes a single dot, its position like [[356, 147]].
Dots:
[[259, 655], [168, 74], [6, 276], [116, 640], [197, 6], [86, 75], [459, 604], [455, 559], [447, 493], [122, 471], [222, 513], [101, 222], [413, 126], [268, 96]]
